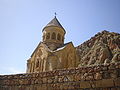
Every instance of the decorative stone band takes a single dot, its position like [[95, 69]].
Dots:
[[101, 77]]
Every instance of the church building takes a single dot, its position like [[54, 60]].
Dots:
[[52, 53]]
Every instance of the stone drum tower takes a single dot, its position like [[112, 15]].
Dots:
[[53, 34]]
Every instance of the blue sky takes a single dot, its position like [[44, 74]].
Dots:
[[22, 21]]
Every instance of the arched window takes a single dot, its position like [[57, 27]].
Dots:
[[48, 36], [53, 35], [58, 37], [37, 64]]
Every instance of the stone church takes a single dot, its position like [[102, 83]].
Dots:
[[52, 53], [55, 65]]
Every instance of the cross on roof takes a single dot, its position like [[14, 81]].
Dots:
[[55, 14]]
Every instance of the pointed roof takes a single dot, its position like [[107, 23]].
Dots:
[[54, 22]]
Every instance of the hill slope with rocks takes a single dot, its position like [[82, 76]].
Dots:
[[103, 48]]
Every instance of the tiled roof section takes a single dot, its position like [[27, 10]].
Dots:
[[54, 22]]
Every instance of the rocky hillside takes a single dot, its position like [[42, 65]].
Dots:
[[103, 48]]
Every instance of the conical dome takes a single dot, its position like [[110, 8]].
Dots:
[[54, 22]]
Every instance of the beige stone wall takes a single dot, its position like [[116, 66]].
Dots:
[[67, 56], [102, 77]]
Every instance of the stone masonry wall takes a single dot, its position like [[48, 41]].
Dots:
[[101, 77]]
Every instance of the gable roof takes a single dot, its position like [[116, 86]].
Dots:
[[49, 49]]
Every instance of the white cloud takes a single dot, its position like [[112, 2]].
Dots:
[[14, 70], [11, 70]]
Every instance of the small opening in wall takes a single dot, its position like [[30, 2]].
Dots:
[[53, 35], [48, 36], [58, 37], [37, 64]]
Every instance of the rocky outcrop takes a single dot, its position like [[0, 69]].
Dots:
[[103, 48]]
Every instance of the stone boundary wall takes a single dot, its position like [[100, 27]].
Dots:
[[101, 77]]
